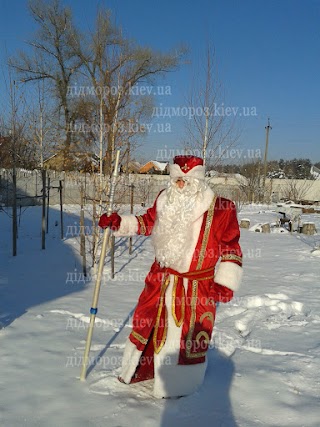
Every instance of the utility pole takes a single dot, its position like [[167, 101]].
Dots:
[[267, 128]]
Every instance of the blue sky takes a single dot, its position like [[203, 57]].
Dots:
[[267, 53]]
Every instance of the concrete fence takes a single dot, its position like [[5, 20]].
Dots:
[[29, 187], [145, 188]]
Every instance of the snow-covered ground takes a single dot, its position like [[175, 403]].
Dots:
[[264, 362]]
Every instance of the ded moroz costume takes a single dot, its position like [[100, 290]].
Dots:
[[191, 230]]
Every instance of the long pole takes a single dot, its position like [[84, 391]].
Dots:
[[48, 204], [61, 208], [94, 228], [14, 211], [94, 309], [112, 255], [101, 145], [268, 127], [131, 211], [83, 235], [43, 223], [14, 167]]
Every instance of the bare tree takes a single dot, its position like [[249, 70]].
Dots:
[[250, 188], [17, 148], [103, 68], [209, 130], [114, 66], [51, 59], [41, 124], [296, 189]]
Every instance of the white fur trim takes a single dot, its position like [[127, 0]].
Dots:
[[130, 361], [200, 208], [196, 172], [128, 226], [171, 379], [229, 274], [178, 380], [185, 263]]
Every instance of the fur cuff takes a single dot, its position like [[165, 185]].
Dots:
[[229, 274], [128, 226], [130, 361]]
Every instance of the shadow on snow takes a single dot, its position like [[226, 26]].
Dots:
[[211, 404], [34, 276]]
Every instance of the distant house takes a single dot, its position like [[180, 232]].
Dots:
[[154, 167], [132, 167], [226, 178], [75, 161]]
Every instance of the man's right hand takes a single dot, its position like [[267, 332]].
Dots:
[[113, 221]]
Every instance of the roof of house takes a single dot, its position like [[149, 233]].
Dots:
[[236, 177], [160, 166]]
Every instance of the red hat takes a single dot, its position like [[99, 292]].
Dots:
[[187, 166]]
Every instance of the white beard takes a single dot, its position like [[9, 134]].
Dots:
[[172, 229]]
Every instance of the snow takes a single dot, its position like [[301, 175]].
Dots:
[[160, 165], [264, 359], [315, 172]]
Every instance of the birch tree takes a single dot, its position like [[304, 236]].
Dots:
[[209, 131]]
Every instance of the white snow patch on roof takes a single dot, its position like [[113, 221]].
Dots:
[[160, 165]]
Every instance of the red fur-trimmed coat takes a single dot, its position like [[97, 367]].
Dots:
[[194, 287]]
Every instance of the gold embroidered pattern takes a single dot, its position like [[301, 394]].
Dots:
[[174, 291], [206, 233], [189, 354], [207, 314], [157, 347], [139, 337], [192, 320], [206, 339], [231, 257], [143, 229]]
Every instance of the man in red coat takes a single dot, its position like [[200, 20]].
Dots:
[[191, 230]]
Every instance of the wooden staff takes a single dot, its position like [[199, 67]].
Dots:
[[94, 309], [131, 211], [82, 234]]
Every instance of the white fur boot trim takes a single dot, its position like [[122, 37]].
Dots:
[[171, 379], [178, 380], [130, 361]]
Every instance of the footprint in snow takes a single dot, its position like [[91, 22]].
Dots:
[[269, 308], [108, 384]]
